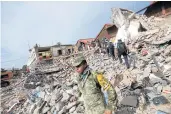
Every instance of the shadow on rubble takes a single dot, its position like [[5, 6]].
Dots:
[[138, 96]]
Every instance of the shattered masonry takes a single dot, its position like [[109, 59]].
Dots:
[[49, 90]]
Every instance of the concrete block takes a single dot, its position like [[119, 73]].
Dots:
[[130, 101]]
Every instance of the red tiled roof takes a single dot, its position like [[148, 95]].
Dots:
[[85, 40], [107, 26]]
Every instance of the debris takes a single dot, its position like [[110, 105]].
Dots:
[[130, 101], [160, 100], [160, 112], [50, 88]]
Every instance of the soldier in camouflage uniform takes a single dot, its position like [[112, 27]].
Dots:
[[90, 88]]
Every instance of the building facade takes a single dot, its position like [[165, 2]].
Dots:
[[42, 54], [62, 50], [84, 44], [107, 33]]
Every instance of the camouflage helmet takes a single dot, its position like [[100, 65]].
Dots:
[[78, 60]]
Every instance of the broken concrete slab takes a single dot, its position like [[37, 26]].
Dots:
[[65, 97], [147, 71], [72, 109], [33, 107], [160, 100], [130, 101], [42, 94], [45, 110]]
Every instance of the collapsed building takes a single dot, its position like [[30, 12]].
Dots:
[[145, 89], [157, 9], [38, 55]]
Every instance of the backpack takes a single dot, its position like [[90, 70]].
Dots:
[[101, 81], [121, 47]]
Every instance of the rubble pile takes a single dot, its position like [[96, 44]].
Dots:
[[146, 82], [52, 93], [13, 95], [145, 88], [149, 23]]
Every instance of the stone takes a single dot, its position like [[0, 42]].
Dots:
[[54, 97], [130, 101], [137, 91], [72, 109], [154, 79], [59, 97], [38, 83], [147, 71], [160, 112], [33, 107], [45, 109], [75, 87], [167, 51], [70, 105], [63, 111], [168, 59], [37, 110], [65, 97], [166, 89], [53, 109], [154, 69], [59, 106], [26, 103], [39, 102], [80, 109], [161, 59], [151, 95], [124, 111], [159, 89], [71, 92], [42, 94], [160, 100], [47, 98]]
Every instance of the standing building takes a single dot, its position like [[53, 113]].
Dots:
[[108, 32], [84, 44], [46, 54], [62, 50]]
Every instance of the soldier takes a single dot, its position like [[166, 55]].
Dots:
[[90, 85]]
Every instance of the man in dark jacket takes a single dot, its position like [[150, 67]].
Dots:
[[122, 50], [111, 50]]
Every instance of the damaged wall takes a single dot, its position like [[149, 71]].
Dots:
[[158, 9]]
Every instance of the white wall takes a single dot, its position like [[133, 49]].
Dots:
[[32, 57]]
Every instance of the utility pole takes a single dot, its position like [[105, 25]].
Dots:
[[28, 44]]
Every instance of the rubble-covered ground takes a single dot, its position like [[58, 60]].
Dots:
[[145, 88]]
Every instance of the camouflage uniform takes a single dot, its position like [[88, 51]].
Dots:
[[90, 89]]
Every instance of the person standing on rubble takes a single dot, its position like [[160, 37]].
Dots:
[[122, 41], [111, 49], [121, 50], [90, 84]]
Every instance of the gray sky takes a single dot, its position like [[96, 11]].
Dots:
[[47, 23]]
